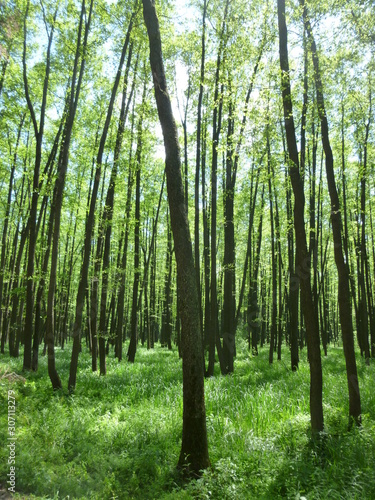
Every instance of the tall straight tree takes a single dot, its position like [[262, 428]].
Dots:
[[91, 215], [273, 328], [194, 450], [39, 132], [137, 272], [76, 82], [213, 334], [105, 228], [5, 227], [231, 164], [302, 257], [345, 309], [199, 155]]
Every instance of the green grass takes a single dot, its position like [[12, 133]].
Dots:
[[119, 436]]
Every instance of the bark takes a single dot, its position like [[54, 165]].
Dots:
[[293, 285], [39, 131], [302, 257], [206, 257], [198, 159], [134, 314], [365, 304], [166, 326], [105, 230], [273, 253], [5, 230], [345, 212], [253, 319], [91, 218], [4, 65], [344, 303], [228, 311], [194, 450], [16, 281], [38, 327], [121, 292], [213, 334], [59, 189], [253, 198], [279, 275], [373, 306]]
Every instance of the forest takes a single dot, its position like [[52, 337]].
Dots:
[[187, 258]]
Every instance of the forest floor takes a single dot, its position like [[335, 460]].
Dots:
[[119, 436]]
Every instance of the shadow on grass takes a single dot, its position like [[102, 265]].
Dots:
[[334, 467]]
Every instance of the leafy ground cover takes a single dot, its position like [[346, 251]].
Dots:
[[119, 436]]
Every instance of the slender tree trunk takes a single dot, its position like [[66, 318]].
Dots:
[[366, 295], [166, 326], [5, 230], [273, 253], [121, 292], [198, 159], [344, 304], [39, 131], [302, 258], [194, 450], [345, 211], [105, 231], [213, 335], [91, 217], [247, 263], [206, 259], [147, 261], [39, 295], [279, 275], [253, 319], [14, 333], [372, 326], [228, 311], [4, 65], [137, 273], [293, 284]]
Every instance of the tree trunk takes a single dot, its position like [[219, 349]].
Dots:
[[194, 450], [124, 258], [344, 303], [90, 221], [213, 334], [39, 131], [273, 253], [198, 161], [5, 231], [302, 257], [253, 319], [137, 273], [166, 325]]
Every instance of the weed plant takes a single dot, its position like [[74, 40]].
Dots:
[[119, 436]]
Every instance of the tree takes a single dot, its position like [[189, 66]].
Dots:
[[137, 272], [91, 215], [39, 131], [302, 257], [194, 450], [345, 309], [76, 80]]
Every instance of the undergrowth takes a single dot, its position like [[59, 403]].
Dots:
[[119, 436]]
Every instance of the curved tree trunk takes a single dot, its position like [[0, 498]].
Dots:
[[345, 309], [302, 256], [194, 449], [91, 218], [33, 232]]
